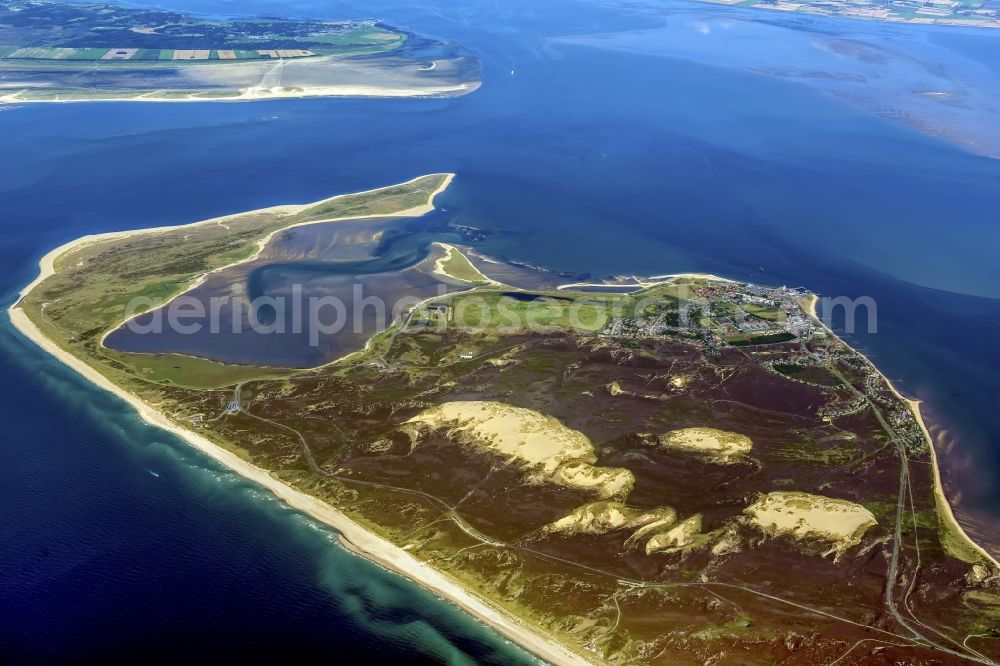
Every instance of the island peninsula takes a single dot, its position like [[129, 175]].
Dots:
[[65, 52], [641, 470]]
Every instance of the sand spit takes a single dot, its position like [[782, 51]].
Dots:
[[47, 263], [251, 94], [469, 273], [288, 209], [804, 516], [717, 443], [543, 447]]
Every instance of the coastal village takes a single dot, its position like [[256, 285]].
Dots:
[[772, 323], [725, 314]]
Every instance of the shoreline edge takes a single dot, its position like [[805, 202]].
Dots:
[[354, 537]]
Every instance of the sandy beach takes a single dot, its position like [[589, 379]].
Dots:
[[915, 408], [258, 94], [354, 537]]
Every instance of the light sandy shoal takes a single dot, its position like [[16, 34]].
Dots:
[[646, 282], [253, 95], [708, 440], [942, 499], [804, 515], [371, 546]]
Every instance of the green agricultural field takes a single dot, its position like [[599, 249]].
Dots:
[[362, 39], [146, 54], [768, 312], [494, 310]]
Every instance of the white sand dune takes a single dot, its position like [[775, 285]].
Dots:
[[708, 440], [543, 447], [805, 516]]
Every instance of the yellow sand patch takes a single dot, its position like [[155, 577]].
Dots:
[[594, 518], [708, 440], [541, 445], [802, 515], [649, 523], [677, 536], [606, 516]]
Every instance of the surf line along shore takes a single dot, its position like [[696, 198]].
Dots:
[[352, 535], [942, 499]]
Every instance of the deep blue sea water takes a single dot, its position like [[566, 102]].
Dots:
[[604, 140]]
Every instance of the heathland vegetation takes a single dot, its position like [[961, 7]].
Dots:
[[602, 476]]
